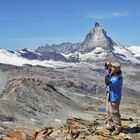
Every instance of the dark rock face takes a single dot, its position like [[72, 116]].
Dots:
[[97, 37], [60, 48], [97, 24], [29, 55], [52, 56]]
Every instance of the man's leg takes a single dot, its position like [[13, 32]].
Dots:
[[114, 106], [109, 124]]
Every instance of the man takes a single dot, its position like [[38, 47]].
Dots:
[[113, 80]]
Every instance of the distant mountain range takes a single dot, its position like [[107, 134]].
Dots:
[[97, 46]]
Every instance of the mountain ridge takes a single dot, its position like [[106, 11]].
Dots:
[[96, 39]]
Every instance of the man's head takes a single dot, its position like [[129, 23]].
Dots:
[[115, 67]]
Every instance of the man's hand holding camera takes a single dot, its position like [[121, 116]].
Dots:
[[108, 67]]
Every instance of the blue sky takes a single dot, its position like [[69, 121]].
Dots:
[[32, 23]]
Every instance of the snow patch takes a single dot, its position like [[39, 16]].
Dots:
[[93, 55], [97, 53], [98, 50], [28, 50], [125, 54], [14, 59], [135, 50]]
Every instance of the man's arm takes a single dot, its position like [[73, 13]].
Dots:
[[107, 80]]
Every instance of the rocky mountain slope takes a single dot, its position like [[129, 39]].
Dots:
[[33, 104], [38, 97]]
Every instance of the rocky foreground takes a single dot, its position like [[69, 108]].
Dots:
[[76, 129], [66, 102]]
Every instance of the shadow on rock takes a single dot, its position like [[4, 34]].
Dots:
[[131, 130]]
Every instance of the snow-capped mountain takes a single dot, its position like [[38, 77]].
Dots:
[[97, 37], [15, 58], [97, 46], [44, 55]]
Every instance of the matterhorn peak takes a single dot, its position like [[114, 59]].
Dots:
[[97, 24], [97, 37]]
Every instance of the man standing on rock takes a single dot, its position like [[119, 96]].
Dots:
[[113, 80]]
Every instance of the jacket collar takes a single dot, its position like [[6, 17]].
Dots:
[[117, 74]]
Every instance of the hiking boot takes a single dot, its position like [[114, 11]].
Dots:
[[110, 128], [117, 132]]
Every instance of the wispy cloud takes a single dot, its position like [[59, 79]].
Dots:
[[114, 14]]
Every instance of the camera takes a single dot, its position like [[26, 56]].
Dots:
[[108, 66]]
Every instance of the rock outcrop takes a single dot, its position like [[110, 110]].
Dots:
[[79, 129]]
